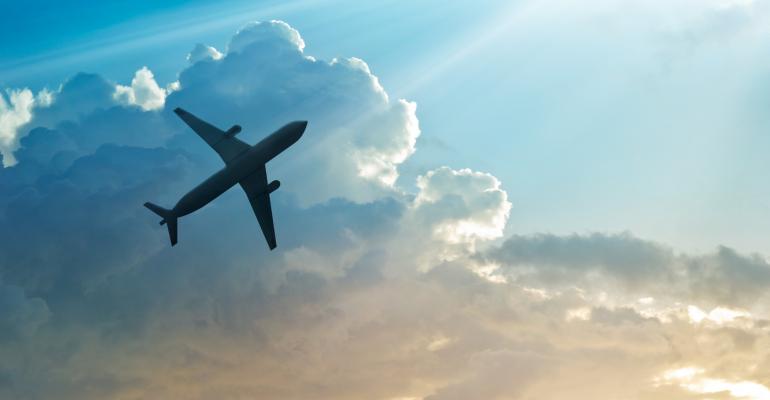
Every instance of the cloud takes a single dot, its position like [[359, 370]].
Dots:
[[265, 80], [264, 35], [20, 316], [202, 52], [15, 112], [78, 98], [350, 113], [91, 158], [464, 204], [374, 292], [636, 266], [566, 259], [143, 92], [497, 374]]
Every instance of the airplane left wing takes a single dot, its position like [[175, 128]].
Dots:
[[256, 188], [227, 146]]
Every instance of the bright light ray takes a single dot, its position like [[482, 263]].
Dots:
[[443, 60], [153, 31]]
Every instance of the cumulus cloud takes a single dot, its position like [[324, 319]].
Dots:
[[265, 80], [78, 98], [143, 92], [202, 52], [264, 35], [15, 112], [102, 156], [466, 205], [372, 293]]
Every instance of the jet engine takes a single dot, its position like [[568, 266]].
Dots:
[[234, 130], [273, 186]]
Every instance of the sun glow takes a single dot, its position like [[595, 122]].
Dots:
[[718, 315], [692, 379]]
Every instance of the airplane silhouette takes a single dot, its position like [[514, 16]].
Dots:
[[244, 165]]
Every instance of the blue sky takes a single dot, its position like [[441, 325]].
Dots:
[[493, 199]]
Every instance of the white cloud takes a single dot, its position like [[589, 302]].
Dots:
[[582, 313], [261, 33], [143, 92], [355, 131], [646, 300], [202, 52], [465, 205], [173, 87], [393, 138], [719, 316], [15, 113], [44, 98]]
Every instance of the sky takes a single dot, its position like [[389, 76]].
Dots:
[[537, 199]]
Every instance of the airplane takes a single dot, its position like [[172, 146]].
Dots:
[[244, 165]]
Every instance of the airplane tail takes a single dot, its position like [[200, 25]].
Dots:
[[169, 219]]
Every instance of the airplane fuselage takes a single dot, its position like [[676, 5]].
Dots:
[[244, 165]]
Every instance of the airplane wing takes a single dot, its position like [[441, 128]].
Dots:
[[228, 147], [255, 186]]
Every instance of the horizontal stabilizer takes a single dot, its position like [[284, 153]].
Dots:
[[169, 219]]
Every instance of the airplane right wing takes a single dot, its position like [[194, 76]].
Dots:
[[256, 188], [227, 146]]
